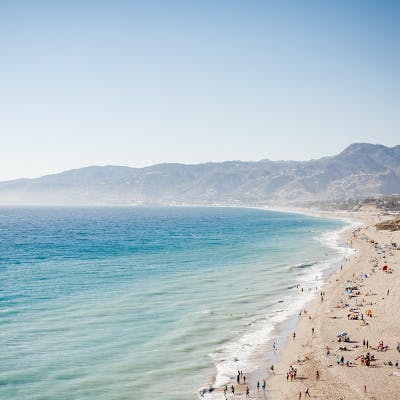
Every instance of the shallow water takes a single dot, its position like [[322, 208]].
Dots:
[[122, 303]]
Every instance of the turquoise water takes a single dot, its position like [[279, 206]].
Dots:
[[144, 303]]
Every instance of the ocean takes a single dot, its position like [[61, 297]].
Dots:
[[149, 303]]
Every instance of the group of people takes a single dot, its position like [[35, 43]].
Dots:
[[292, 373], [263, 385], [366, 359], [233, 390], [381, 346], [241, 379], [240, 376]]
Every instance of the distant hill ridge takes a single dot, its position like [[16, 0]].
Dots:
[[361, 170]]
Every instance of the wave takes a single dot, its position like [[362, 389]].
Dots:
[[302, 265]]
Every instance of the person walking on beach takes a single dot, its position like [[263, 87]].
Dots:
[[247, 391], [299, 395], [258, 386], [294, 335], [317, 375], [263, 386], [232, 389], [307, 392]]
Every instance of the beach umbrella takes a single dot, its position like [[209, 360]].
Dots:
[[342, 334]]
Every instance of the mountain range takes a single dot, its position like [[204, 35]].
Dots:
[[359, 171]]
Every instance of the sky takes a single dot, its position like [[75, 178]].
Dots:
[[138, 83]]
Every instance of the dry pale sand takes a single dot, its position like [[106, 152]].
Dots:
[[308, 352]]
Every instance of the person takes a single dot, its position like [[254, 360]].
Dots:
[[263, 386], [238, 377], [317, 375], [312, 331], [294, 335], [307, 392], [258, 386], [247, 391], [232, 389], [272, 368], [299, 395], [244, 379]]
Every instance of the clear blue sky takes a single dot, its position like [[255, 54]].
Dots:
[[137, 83]]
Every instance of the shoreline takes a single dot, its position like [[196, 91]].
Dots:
[[283, 328], [325, 319]]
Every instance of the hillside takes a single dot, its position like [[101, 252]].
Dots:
[[359, 171]]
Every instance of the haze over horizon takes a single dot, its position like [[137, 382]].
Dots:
[[138, 84]]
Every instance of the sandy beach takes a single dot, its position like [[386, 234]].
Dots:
[[345, 343]]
